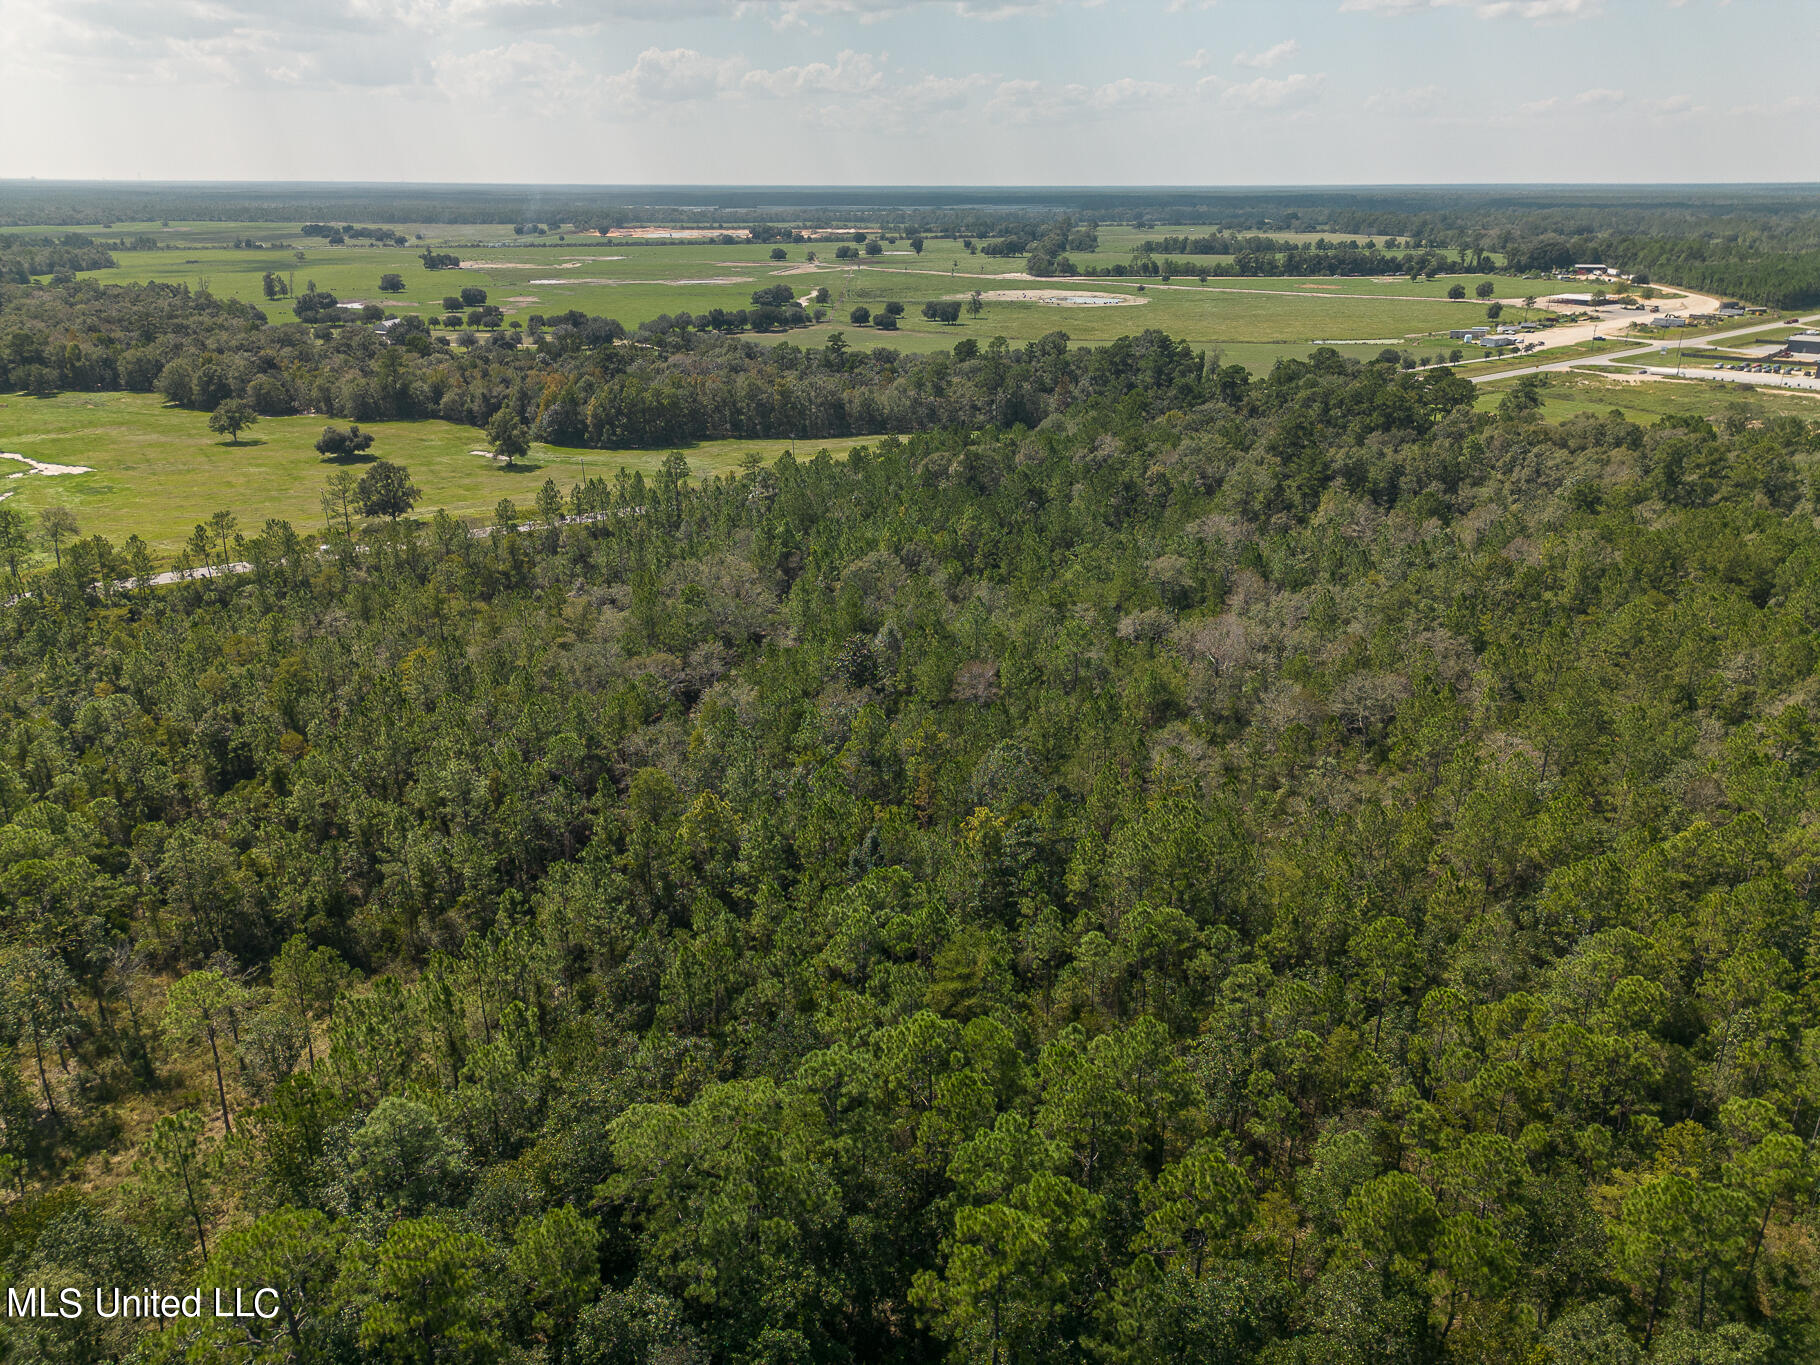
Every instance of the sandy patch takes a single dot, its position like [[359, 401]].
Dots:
[[1317, 286], [37, 466], [524, 298], [810, 268], [49, 469], [576, 262], [1057, 298], [497, 265], [711, 279], [678, 234]]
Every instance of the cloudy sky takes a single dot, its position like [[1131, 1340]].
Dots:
[[1201, 92]]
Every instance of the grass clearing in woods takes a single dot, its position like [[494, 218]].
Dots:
[[157, 470]]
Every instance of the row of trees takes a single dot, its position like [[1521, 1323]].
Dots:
[[570, 380]]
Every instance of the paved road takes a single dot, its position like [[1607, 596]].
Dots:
[[1652, 348]]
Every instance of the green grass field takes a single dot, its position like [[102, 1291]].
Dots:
[[635, 281], [1572, 393], [158, 470], [1582, 350]]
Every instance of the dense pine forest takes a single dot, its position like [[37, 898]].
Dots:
[[1285, 871]]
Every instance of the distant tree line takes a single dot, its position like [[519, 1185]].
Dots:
[[570, 380], [379, 236], [1762, 273], [1265, 264], [25, 256]]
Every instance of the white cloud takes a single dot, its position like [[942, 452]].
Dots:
[[512, 69], [1542, 11], [854, 84], [1269, 57], [1030, 101], [940, 92], [1598, 98], [924, 107], [798, 13], [674, 75], [1410, 103], [1128, 90], [681, 75], [1782, 108], [852, 73], [1266, 93], [702, 89]]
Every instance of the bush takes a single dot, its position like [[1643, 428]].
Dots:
[[335, 443]]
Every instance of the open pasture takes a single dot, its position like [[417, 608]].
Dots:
[[634, 280], [1283, 310], [157, 471]]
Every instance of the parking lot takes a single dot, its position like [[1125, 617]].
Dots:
[[1763, 379]]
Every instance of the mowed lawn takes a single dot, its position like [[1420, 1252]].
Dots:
[[158, 470]]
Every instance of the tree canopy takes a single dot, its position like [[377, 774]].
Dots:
[[1265, 870]]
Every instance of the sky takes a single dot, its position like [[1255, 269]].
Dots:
[[948, 92]]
